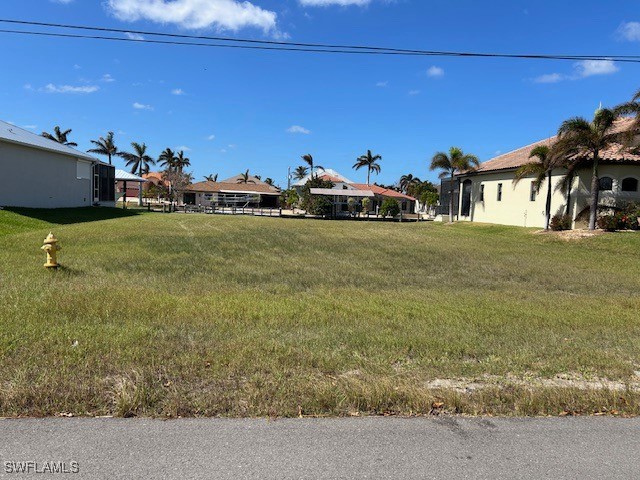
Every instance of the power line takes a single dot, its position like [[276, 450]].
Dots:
[[273, 45]]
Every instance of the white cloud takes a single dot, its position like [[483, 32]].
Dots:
[[629, 31], [435, 72], [30, 127], [64, 2], [382, 84], [77, 67], [195, 14], [414, 92], [183, 148], [178, 91], [133, 36], [211, 138], [142, 106], [582, 69], [588, 68], [298, 129], [549, 78], [327, 3], [108, 78], [51, 88]]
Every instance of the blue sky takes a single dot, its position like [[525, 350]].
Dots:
[[235, 109]]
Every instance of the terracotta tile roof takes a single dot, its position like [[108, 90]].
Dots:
[[520, 157], [385, 192], [217, 187]]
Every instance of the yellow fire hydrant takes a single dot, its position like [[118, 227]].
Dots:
[[52, 248]]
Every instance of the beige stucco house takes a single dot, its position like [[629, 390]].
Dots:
[[490, 195], [232, 192]]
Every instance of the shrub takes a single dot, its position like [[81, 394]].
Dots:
[[561, 222], [289, 198], [390, 207], [366, 203], [354, 206], [321, 206], [608, 223]]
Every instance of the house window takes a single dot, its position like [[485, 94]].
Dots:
[[630, 185], [499, 192], [482, 193], [606, 184], [532, 194]]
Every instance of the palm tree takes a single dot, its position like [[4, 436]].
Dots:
[[370, 162], [631, 108], [455, 161], [60, 136], [211, 178], [245, 178], [406, 181], [269, 181], [167, 159], [104, 146], [138, 160], [309, 159], [540, 170], [591, 138], [300, 173], [182, 161]]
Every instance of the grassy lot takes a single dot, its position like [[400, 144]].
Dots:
[[237, 316]]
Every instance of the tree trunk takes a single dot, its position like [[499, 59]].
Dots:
[[140, 189], [548, 211], [109, 159], [451, 190], [568, 211], [595, 193], [368, 176]]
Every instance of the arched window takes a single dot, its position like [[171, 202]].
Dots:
[[606, 184], [630, 185]]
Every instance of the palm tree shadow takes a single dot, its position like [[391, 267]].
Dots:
[[69, 216]]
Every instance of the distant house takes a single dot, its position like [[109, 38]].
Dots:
[[344, 189], [151, 179], [36, 172], [488, 194], [232, 193]]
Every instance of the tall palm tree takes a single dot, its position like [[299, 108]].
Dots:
[[105, 146], [167, 159], [211, 178], [60, 136], [631, 108], [449, 164], [269, 181], [245, 178], [300, 173], [590, 139], [369, 161], [182, 161], [138, 160], [406, 181], [540, 170], [308, 158]]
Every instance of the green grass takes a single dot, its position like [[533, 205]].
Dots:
[[237, 316]]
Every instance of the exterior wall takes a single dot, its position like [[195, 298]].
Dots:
[[615, 197], [35, 178], [516, 207]]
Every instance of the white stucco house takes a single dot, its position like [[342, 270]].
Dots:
[[36, 172], [489, 195]]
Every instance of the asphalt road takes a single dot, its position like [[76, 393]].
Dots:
[[441, 448]]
